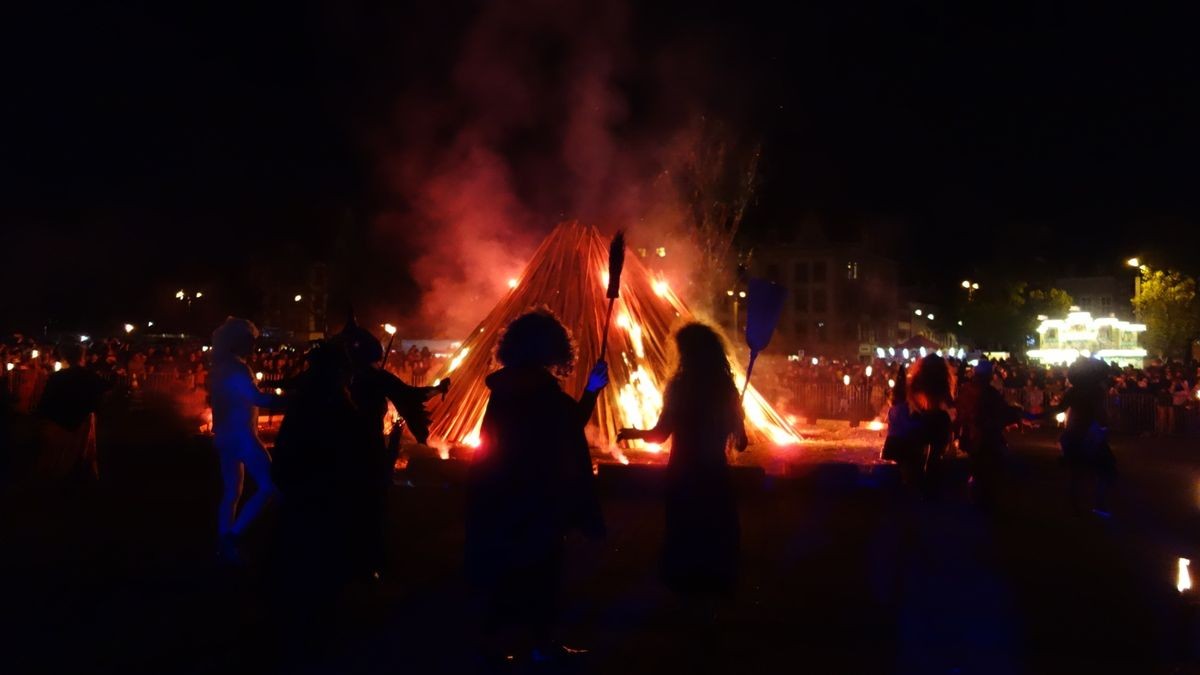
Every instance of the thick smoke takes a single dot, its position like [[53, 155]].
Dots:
[[533, 127]]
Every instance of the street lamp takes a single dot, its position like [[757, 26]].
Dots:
[[297, 298], [1134, 262], [128, 328]]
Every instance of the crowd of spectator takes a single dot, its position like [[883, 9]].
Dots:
[[180, 364], [1172, 389]]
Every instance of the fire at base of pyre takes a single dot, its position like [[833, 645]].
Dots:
[[569, 275]]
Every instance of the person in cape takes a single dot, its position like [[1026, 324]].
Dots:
[[313, 557], [982, 416], [530, 483], [371, 387]]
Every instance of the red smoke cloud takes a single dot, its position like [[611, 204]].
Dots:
[[533, 128]]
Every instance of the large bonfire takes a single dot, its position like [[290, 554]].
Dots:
[[569, 275]]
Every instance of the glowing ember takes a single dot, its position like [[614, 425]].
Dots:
[[1183, 579], [647, 313]]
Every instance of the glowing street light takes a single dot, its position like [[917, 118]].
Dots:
[[966, 283], [729, 293], [1183, 578], [84, 338], [931, 317], [199, 294], [150, 324], [918, 312], [1135, 262], [298, 298], [179, 295], [974, 286], [846, 380], [9, 366], [741, 294], [57, 366], [258, 376], [34, 354], [815, 361]]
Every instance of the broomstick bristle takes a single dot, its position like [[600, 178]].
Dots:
[[616, 263]]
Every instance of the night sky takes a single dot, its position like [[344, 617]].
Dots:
[[162, 145]]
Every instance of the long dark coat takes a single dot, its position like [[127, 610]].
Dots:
[[530, 484]]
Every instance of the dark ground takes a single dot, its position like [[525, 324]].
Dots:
[[843, 573]]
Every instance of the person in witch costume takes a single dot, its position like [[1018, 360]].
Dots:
[[371, 387], [702, 414], [530, 483], [982, 418]]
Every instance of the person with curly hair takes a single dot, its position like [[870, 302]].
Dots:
[[530, 484]]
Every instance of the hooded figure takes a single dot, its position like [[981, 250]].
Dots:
[[982, 415], [371, 387], [530, 482], [315, 551]]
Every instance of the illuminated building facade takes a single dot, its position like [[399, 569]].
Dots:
[[1106, 338]]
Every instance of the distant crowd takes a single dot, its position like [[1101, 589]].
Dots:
[[1172, 387], [179, 364]]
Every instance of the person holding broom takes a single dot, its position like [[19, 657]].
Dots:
[[530, 483], [703, 416]]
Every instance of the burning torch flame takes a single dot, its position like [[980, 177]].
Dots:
[[1183, 580], [389, 329], [660, 287], [875, 425], [512, 283]]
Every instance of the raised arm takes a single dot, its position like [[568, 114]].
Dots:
[[246, 389]]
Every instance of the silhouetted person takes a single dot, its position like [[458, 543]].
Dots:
[[902, 445], [235, 397], [702, 415], [982, 415], [1085, 440], [530, 483], [313, 555], [69, 404], [371, 387], [930, 384]]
